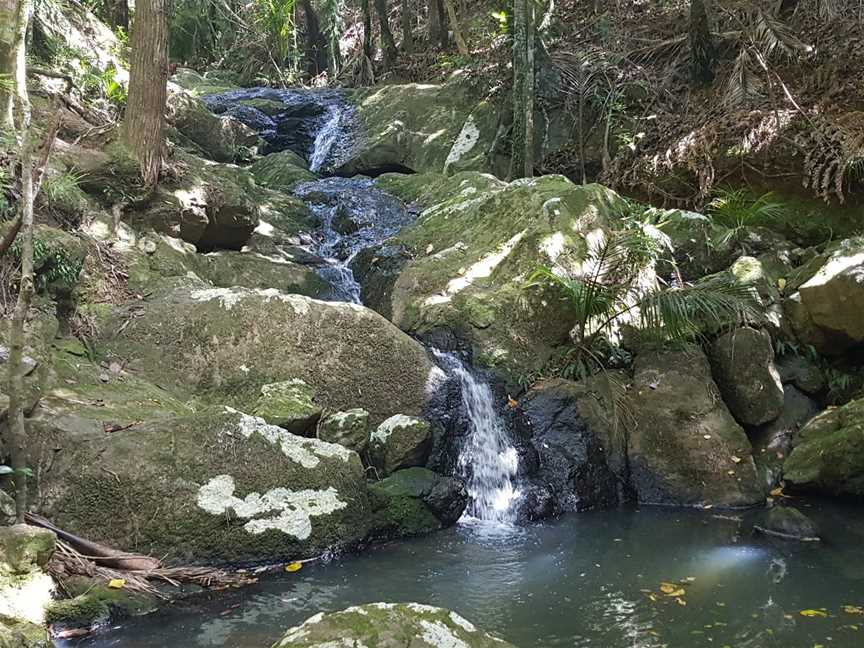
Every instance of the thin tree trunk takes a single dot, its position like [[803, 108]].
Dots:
[[437, 23], [388, 43], [528, 89], [522, 162], [461, 45], [703, 54], [8, 17], [407, 27], [316, 43], [148, 80], [118, 13], [17, 434]]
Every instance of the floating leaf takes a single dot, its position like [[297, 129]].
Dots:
[[680, 601], [668, 588], [853, 609], [678, 592], [814, 613], [777, 492], [117, 583], [294, 567]]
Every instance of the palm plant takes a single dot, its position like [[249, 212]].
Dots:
[[616, 284], [737, 209]]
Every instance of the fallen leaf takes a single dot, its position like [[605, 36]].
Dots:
[[117, 583], [813, 613], [781, 283], [853, 609], [293, 567], [668, 588], [680, 601], [512, 403], [736, 459], [777, 492]]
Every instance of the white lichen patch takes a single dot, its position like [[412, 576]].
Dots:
[[553, 246], [422, 608], [437, 634], [391, 425], [462, 622], [291, 512], [230, 297], [465, 142], [27, 598], [306, 452]]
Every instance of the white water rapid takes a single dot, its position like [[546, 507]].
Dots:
[[488, 461]]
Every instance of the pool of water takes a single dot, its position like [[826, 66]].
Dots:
[[592, 579]]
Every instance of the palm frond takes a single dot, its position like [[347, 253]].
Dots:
[[737, 208], [772, 35], [743, 84]]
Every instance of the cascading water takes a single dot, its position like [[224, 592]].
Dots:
[[327, 137], [488, 461]]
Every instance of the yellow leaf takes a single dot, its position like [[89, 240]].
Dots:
[[814, 613], [293, 567], [668, 588], [777, 492], [678, 592], [853, 609], [781, 283], [680, 601], [117, 583]]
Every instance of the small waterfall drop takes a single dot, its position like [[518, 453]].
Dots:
[[488, 461], [330, 132]]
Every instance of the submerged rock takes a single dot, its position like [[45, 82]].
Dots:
[[829, 453], [400, 442], [743, 366], [415, 501], [220, 486], [684, 446], [788, 523], [389, 625]]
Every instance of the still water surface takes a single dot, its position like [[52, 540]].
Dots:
[[592, 579]]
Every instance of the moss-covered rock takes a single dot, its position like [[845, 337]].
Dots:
[[23, 634], [472, 251], [201, 85], [400, 442], [684, 446], [217, 486], [422, 127], [289, 404], [742, 362], [25, 549], [283, 171], [389, 625], [228, 268], [224, 344], [415, 501], [96, 604], [349, 429], [829, 453], [25, 589]]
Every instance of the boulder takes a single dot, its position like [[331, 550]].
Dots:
[[389, 625], [469, 255], [349, 429], [92, 603], [283, 171], [400, 442], [828, 456], [743, 366], [421, 127], [834, 299], [224, 344], [414, 501], [788, 523], [228, 268], [219, 486], [572, 452], [23, 634], [25, 589], [685, 448], [802, 373], [290, 405]]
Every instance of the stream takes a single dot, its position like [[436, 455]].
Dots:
[[589, 579]]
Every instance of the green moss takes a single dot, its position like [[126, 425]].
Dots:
[[97, 604], [283, 171]]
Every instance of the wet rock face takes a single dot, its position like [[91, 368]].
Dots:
[[788, 523], [389, 625]]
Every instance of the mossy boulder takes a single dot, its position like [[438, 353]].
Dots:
[[400, 442], [219, 486], [684, 446], [283, 171], [224, 344], [389, 625], [201, 85], [415, 501], [349, 429], [472, 251], [290, 405], [25, 589], [829, 453], [23, 634], [227, 268], [94, 603], [421, 127], [742, 363], [25, 549], [832, 301]]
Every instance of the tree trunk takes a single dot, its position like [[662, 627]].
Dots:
[[461, 45], [522, 162], [17, 440], [388, 43], [315, 43], [437, 23], [703, 54], [8, 22], [144, 123], [407, 27], [117, 13], [368, 51]]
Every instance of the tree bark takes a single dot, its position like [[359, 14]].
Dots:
[[437, 23], [368, 50], [522, 162], [8, 22], [407, 27], [144, 123], [315, 43], [17, 440], [461, 45], [117, 13], [388, 43], [703, 54]]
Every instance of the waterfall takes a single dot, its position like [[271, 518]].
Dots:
[[326, 137], [488, 461]]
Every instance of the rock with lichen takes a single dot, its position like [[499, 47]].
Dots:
[[400, 442]]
